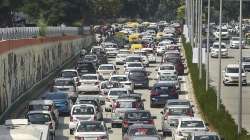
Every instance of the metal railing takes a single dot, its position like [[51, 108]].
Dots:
[[31, 32]]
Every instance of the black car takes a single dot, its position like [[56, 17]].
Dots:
[[92, 58], [139, 78], [136, 117], [161, 92], [85, 68]]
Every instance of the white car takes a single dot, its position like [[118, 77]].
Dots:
[[132, 66], [151, 55], [96, 130], [70, 73], [82, 112], [161, 47], [166, 69], [90, 83], [235, 42], [111, 48], [113, 94], [120, 59], [215, 50], [66, 85], [231, 75], [186, 126], [224, 33], [106, 70], [123, 79]]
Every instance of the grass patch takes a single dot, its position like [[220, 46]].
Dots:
[[220, 120]]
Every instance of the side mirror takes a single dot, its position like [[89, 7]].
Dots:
[[192, 106], [162, 112]]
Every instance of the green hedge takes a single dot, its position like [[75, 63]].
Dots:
[[220, 120]]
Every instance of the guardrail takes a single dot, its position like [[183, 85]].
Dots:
[[31, 32]]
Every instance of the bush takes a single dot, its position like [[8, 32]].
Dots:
[[220, 120], [42, 24]]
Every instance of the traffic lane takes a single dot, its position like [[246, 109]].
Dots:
[[229, 94]]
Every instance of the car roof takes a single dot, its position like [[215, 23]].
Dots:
[[90, 75], [177, 100], [166, 64], [41, 102], [87, 105], [126, 100], [136, 70], [119, 75], [131, 111], [178, 106], [164, 83]]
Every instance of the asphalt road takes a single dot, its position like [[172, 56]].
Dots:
[[63, 131], [229, 94]]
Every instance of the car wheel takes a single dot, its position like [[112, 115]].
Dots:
[[71, 132]]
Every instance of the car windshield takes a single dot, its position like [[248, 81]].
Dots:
[[192, 124], [119, 78], [39, 107], [56, 96], [90, 57], [110, 85], [117, 92], [208, 137], [142, 132], [39, 118], [163, 89], [217, 46], [134, 65], [83, 110], [178, 111], [137, 74], [106, 68], [168, 78], [125, 104], [89, 77], [134, 59], [138, 115], [233, 70], [246, 59], [178, 103], [166, 67], [90, 127], [64, 83], [69, 74], [87, 102]]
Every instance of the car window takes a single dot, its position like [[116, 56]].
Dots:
[[166, 67], [83, 110], [178, 111], [138, 115], [133, 59], [192, 124], [39, 107], [39, 118], [246, 59], [163, 89], [64, 83], [137, 74], [117, 93], [125, 104], [91, 127], [106, 68], [119, 78], [89, 77], [142, 131], [209, 137], [87, 102], [69, 74], [217, 46], [233, 70], [178, 103], [135, 65]]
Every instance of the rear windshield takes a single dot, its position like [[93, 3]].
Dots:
[[135, 65], [138, 115], [178, 111], [137, 74], [163, 89], [88, 77], [125, 104], [39, 118], [118, 78], [246, 59], [168, 78], [90, 127], [39, 107], [142, 131], [178, 103], [117, 93], [233, 70], [83, 110], [167, 68], [69, 74], [192, 124], [56, 96], [106, 68], [64, 83], [134, 59]]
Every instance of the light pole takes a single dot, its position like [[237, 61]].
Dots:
[[207, 54], [240, 74], [219, 57], [200, 42]]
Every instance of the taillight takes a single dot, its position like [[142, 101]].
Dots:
[[125, 123], [151, 122], [79, 138], [71, 118], [154, 93]]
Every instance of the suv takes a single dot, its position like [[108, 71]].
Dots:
[[139, 78], [231, 75]]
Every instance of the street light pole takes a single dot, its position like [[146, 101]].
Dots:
[[207, 54], [219, 57], [200, 43], [240, 74]]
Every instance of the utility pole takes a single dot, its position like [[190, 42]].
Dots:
[[240, 75], [200, 42], [192, 22], [219, 57], [207, 54]]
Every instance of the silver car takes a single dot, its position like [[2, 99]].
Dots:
[[91, 130]]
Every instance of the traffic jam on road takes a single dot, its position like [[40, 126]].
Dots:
[[139, 90]]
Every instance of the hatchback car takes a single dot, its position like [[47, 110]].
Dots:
[[161, 92], [70, 73], [91, 130], [61, 101], [139, 78], [136, 117]]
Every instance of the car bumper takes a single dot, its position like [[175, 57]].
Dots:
[[88, 88], [223, 54], [232, 82]]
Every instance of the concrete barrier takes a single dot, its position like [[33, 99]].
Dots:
[[21, 69]]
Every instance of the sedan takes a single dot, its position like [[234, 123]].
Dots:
[[139, 78], [123, 79], [90, 83], [91, 130], [106, 70]]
